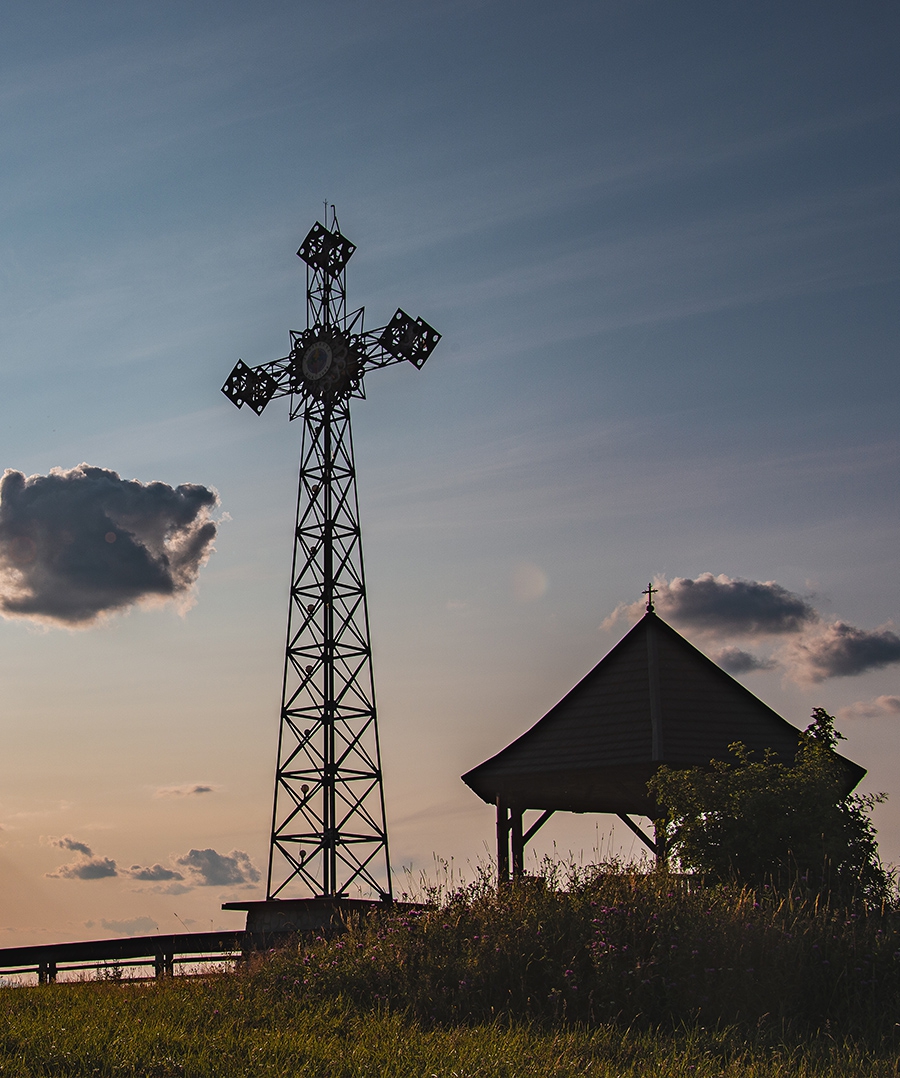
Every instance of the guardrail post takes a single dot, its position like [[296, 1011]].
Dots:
[[47, 972], [164, 965]]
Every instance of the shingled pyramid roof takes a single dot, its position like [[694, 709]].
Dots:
[[654, 699]]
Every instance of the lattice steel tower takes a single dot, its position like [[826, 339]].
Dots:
[[328, 823]]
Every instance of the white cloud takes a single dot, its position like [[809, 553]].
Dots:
[[871, 709]]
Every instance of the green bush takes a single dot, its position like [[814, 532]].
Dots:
[[760, 821]]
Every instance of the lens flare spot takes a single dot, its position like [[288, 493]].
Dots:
[[529, 582]]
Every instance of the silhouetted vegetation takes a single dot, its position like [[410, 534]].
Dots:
[[604, 971], [614, 945], [759, 821]]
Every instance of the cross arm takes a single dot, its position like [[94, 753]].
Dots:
[[256, 386], [403, 338]]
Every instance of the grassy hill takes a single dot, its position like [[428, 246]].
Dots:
[[587, 973]]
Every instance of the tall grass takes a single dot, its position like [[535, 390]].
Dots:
[[616, 946], [605, 973]]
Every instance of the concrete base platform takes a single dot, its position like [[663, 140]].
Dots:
[[278, 918]]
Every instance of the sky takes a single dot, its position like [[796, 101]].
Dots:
[[661, 244]]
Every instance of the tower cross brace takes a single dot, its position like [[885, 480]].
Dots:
[[329, 832]]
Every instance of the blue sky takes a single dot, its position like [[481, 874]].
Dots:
[[661, 244]]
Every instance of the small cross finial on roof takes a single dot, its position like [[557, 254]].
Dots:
[[650, 591]]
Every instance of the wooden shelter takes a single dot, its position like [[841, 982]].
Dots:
[[654, 699]]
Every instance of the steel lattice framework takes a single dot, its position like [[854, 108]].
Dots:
[[328, 822]]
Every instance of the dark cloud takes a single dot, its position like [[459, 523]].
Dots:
[[188, 790], [66, 842], [92, 868], [88, 868], [720, 607], [718, 604], [736, 661], [153, 873], [77, 544], [843, 651], [206, 868]]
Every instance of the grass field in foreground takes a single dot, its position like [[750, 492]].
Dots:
[[224, 1026]]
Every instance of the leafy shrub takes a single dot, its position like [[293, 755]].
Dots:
[[759, 821]]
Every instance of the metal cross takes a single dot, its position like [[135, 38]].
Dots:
[[650, 591], [328, 821]]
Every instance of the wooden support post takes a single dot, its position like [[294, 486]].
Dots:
[[47, 972], [518, 843], [659, 835], [502, 842]]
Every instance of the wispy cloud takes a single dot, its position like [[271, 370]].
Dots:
[[134, 926], [173, 887], [189, 789], [152, 873], [66, 842]]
